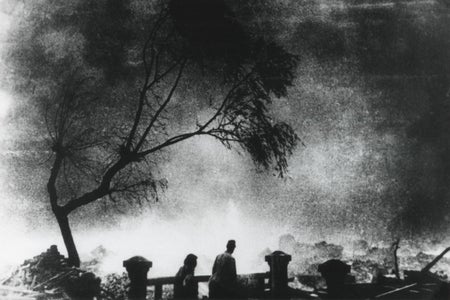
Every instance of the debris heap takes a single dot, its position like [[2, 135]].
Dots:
[[48, 276]]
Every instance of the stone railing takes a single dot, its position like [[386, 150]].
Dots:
[[138, 267]]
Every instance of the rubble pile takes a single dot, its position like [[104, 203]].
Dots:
[[368, 263], [48, 276], [367, 270], [422, 259], [307, 257]]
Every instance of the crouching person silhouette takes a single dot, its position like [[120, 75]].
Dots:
[[186, 286], [223, 282]]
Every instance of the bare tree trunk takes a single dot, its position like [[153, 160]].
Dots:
[[60, 214], [63, 222]]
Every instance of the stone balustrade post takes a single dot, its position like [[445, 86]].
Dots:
[[278, 262], [137, 268], [334, 271]]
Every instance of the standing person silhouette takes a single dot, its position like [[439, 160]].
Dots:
[[185, 286], [223, 282]]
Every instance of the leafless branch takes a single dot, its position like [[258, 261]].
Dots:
[[162, 107]]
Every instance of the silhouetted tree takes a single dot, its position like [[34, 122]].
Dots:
[[111, 79]]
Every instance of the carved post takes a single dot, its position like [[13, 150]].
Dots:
[[137, 268], [278, 262], [334, 271]]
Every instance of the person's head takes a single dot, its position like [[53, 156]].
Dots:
[[231, 245], [190, 261]]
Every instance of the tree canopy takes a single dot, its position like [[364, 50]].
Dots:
[[110, 81]]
